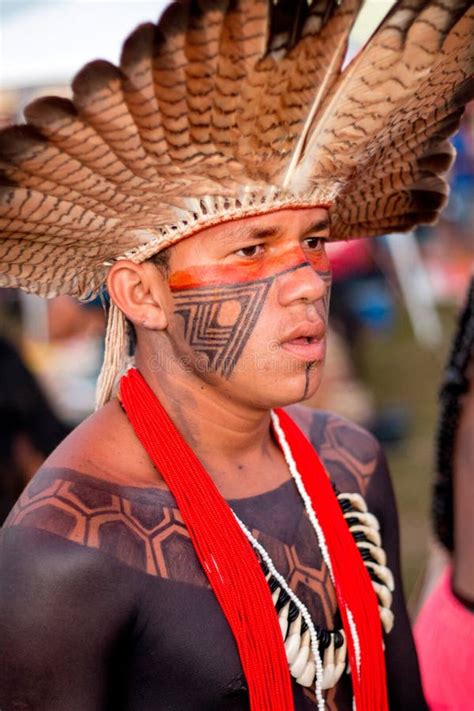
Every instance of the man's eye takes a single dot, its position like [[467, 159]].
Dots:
[[314, 243], [251, 251]]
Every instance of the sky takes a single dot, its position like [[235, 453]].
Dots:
[[47, 41]]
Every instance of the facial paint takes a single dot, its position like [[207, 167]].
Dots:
[[220, 305], [244, 271]]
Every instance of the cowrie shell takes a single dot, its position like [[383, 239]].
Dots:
[[328, 666], [299, 663], [295, 627], [283, 619], [366, 519], [356, 500], [370, 533], [387, 617], [292, 647], [283, 626], [383, 593], [383, 573], [375, 551], [309, 672]]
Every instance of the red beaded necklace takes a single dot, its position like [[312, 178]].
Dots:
[[233, 569]]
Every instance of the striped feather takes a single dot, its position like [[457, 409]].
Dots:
[[227, 108]]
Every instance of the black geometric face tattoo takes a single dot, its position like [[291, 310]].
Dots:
[[219, 320]]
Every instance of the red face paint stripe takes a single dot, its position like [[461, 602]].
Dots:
[[244, 272]]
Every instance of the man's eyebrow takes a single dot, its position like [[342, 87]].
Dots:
[[252, 233], [258, 233], [320, 226]]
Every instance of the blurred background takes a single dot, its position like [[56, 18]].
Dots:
[[393, 304]]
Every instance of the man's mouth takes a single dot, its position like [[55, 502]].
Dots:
[[303, 340], [307, 348]]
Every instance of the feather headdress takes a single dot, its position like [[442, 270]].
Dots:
[[230, 108]]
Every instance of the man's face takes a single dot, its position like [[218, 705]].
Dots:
[[249, 305]]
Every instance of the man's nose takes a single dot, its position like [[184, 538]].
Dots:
[[302, 283]]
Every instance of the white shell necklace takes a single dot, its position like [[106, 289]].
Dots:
[[316, 655]]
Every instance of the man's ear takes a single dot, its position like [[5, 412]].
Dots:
[[141, 292]]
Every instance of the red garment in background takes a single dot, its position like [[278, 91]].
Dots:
[[444, 636], [349, 258]]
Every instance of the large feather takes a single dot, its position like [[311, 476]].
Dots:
[[402, 54], [285, 92], [243, 42], [138, 85], [228, 108], [59, 121], [404, 161], [28, 159]]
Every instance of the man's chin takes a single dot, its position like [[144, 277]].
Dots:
[[292, 400], [283, 394]]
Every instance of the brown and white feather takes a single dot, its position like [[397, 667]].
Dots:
[[227, 108]]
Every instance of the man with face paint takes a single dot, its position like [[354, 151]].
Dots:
[[263, 285], [201, 542], [247, 293]]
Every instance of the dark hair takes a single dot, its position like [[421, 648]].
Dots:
[[454, 384], [162, 260]]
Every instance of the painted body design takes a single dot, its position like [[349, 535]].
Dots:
[[221, 305], [130, 622]]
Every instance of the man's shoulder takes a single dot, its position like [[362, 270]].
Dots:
[[98, 485], [351, 454], [57, 596], [328, 430], [95, 522], [105, 446], [94, 513]]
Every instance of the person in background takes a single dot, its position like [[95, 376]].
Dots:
[[29, 429], [444, 630]]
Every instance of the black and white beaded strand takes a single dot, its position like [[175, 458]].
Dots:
[[364, 528], [317, 528], [300, 606]]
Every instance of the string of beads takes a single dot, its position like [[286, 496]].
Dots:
[[315, 654]]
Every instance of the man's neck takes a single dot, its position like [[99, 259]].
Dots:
[[233, 440]]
